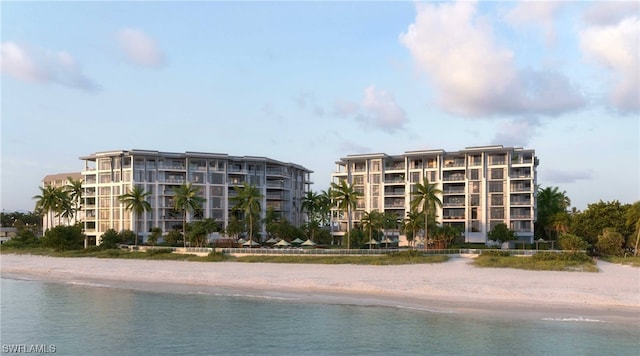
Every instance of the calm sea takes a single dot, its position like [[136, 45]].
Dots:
[[99, 320]]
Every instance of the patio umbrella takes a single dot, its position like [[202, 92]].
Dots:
[[283, 243], [308, 243], [271, 241], [250, 243], [297, 241]]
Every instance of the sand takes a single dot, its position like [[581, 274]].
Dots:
[[451, 287]]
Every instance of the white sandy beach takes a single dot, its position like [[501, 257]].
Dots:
[[451, 286]]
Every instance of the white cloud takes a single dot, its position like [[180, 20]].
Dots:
[[617, 47], [40, 66], [516, 133], [472, 75], [140, 48], [378, 109], [609, 12], [537, 13]]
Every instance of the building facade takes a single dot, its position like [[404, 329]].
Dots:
[[107, 175], [481, 187]]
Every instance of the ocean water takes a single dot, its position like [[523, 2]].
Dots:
[[90, 319]]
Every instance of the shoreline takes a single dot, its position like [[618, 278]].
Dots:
[[454, 287]]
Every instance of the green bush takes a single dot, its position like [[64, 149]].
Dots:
[[565, 256], [24, 239], [110, 240], [63, 238], [159, 251]]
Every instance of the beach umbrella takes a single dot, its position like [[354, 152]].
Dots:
[[308, 243], [241, 241], [387, 241], [250, 243], [271, 241], [283, 243], [297, 241]]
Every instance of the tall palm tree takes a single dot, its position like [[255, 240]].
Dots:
[[324, 206], [550, 201], [372, 221], [47, 202], [346, 198], [413, 222], [187, 200], [311, 206], [74, 189], [426, 196], [136, 202], [248, 200]]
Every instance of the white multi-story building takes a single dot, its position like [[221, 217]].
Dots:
[[481, 187], [107, 175]]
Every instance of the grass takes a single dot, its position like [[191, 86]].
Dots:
[[159, 254], [398, 258], [630, 260], [539, 262]]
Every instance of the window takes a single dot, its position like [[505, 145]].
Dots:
[[474, 174], [497, 213], [497, 173], [375, 166], [497, 199], [496, 187], [414, 177]]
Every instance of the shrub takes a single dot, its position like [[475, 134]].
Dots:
[[495, 253], [610, 243], [110, 239], [62, 238], [24, 239], [159, 251], [572, 242]]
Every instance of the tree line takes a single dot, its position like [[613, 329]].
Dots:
[[609, 228]]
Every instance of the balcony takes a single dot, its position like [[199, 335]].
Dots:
[[453, 177]]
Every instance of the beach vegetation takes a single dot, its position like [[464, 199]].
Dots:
[[425, 196], [154, 235], [543, 261], [135, 201], [552, 215], [24, 239], [502, 233], [110, 239], [399, 258], [610, 243], [633, 222], [248, 202], [62, 238], [173, 238], [346, 198], [591, 223], [572, 242], [187, 200], [198, 231]]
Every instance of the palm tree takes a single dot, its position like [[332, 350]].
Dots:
[[187, 200], [52, 201], [324, 206], [550, 201], [311, 206], [372, 220], [412, 223], [426, 196], [136, 202], [74, 189], [47, 202], [346, 198], [248, 200]]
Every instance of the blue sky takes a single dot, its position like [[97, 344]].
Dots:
[[311, 82]]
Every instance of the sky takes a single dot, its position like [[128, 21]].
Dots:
[[312, 82]]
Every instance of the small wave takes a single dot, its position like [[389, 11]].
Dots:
[[574, 319], [254, 296], [425, 309], [89, 284]]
